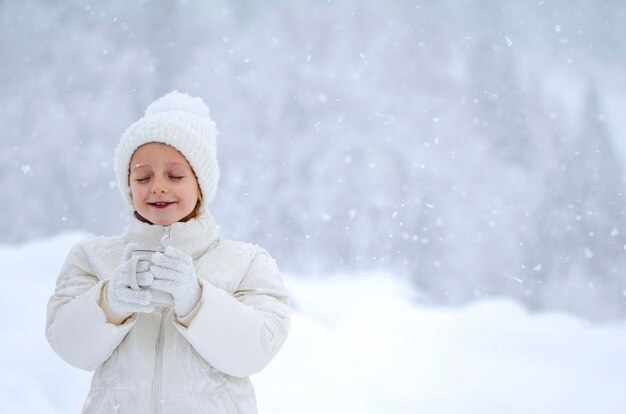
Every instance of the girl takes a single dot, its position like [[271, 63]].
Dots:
[[172, 318]]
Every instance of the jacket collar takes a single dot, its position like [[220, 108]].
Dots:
[[195, 236]]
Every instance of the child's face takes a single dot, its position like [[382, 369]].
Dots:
[[163, 185]]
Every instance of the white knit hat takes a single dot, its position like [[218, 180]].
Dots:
[[182, 122]]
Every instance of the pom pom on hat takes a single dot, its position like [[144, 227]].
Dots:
[[176, 101], [183, 122]]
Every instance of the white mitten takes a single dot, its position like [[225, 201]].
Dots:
[[120, 296], [174, 273]]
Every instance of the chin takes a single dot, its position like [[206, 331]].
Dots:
[[161, 221], [165, 219]]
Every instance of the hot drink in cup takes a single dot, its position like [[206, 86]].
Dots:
[[159, 298]]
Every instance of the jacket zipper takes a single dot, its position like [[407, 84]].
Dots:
[[158, 360], [167, 234], [158, 367]]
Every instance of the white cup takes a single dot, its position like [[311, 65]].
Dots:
[[159, 298]]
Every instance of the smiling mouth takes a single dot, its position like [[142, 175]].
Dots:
[[161, 204]]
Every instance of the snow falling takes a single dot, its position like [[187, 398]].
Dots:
[[449, 174]]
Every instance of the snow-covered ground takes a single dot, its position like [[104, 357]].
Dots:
[[357, 345]]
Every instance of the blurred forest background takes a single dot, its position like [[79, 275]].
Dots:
[[475, 147]]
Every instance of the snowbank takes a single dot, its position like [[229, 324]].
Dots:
[[358, 345]]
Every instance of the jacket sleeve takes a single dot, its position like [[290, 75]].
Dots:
[[240, 333], [76, 325]]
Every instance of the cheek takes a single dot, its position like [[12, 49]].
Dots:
[[192, 195], [136, 192]]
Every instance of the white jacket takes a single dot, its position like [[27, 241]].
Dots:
[[153, 363]]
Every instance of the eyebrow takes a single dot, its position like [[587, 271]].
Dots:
[[143, 164], [140, 165]]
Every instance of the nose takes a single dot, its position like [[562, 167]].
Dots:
[[159, 188]]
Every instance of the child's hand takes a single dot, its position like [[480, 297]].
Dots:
[[174, 273], [120, 297]]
